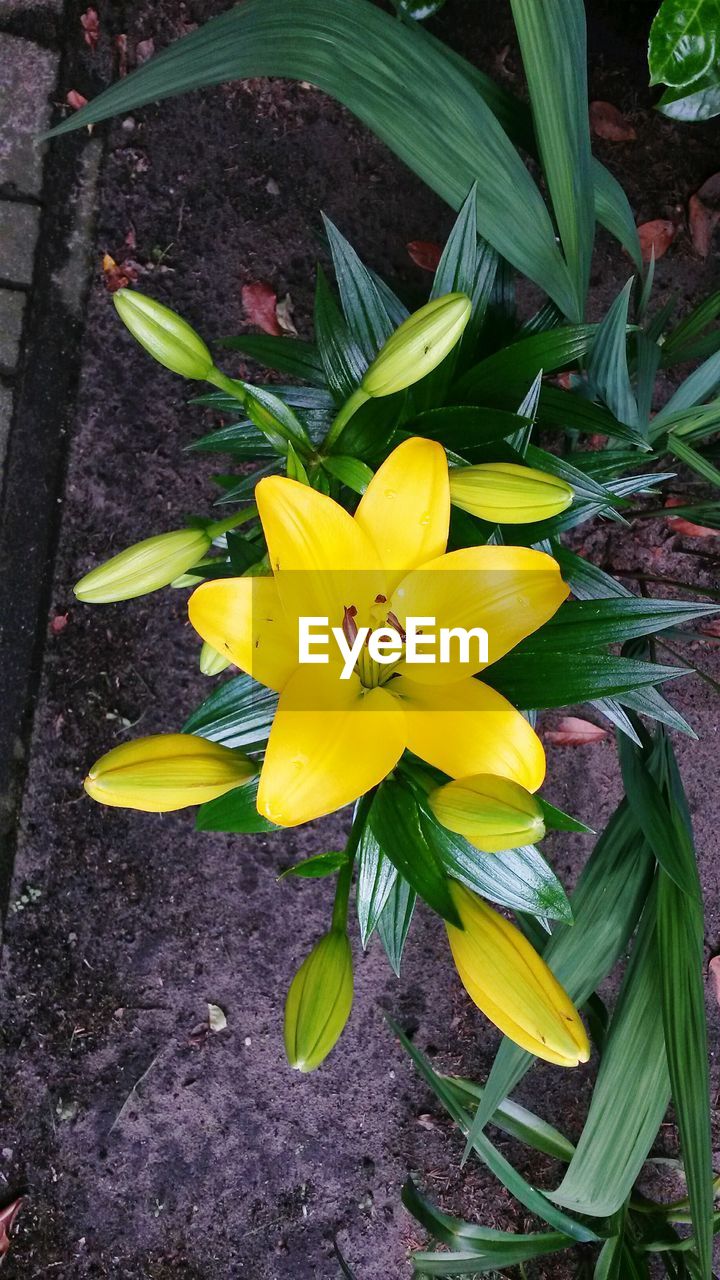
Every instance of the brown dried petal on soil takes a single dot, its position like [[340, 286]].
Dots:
[[90, 24], [609, 123], [59, 623], [76, 100], [686, 527], [260, 303], [656, 236], [424, 253], [118, 275], [714, 976], [7, 1218], [574, 732]]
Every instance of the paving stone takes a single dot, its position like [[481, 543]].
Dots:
[[12, 306], [6, 402], [27, 78], [18, 234]]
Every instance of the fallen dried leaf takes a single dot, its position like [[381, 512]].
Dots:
[[90, 24], [144, 49], [574, 732], [7, 1220], [425, 253], [657, 235], [59, 623], [704, 214], [76, 100], [714, 976], [122, 60], [686, 527], [217, 1020], [609, 123], [260, 303], [284, 312]]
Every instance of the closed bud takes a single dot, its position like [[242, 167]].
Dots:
[[165, 335], [144, 567], [212, 662], [512, 985], [418, 346], [507, 493], [166, 772], [319, 1001], [492, 813]]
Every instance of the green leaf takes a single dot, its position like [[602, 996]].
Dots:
[[234, 813], [318, 866], [349, 471], [367, 319], [556, 820], [395, 823], [533, 1199], [467, 266], [606, 906], [342, 359], [516, 878], [701, 384], [394, 921], [654, 819], [553, 44], [557, 683], [376, 877], [688, 330], [488, 1248], [693, 459], [516, 1121], [631, 1093], [608, 367], [680, 943], [288, 355], [683, 42], [587, 624], [418, 102], [567, 410], [512, 369], [238, 713], [465, 428], [701, 104]]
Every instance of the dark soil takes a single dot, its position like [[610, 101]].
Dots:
[[147, 1150]]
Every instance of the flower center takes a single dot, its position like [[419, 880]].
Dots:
[[370, 672]]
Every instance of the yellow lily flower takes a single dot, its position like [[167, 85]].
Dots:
[[334, 738], [512, 985]]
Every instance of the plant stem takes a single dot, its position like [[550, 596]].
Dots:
[[234, 388], [350, 407], [344, 880]]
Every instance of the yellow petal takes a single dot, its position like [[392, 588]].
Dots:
[[331, 741], [507, 591], [506, 493], [512, 985], [243, 619], [166, 772], [468, 728], [322, 559], [406, 507], [492, 813]]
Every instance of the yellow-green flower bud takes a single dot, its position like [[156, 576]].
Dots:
[[211, 661], [418, 346], [166, 772], [165, 335], [507, 493], [144, 567], [492, 813], [319, 1001], [512, 985]]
